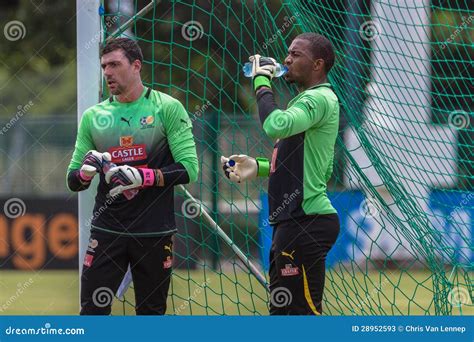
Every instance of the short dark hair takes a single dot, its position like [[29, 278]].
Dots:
[[130, 48], [321, 47]]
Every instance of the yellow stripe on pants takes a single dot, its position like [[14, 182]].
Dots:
[[307, 294]]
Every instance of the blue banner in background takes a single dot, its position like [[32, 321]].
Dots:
[[450, 213], [266, 231], [348, 207], [233, 329]]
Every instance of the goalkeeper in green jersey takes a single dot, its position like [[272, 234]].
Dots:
[[305, 224], [148, 136]]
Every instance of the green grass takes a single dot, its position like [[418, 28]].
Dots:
[[47, 292], [232, 293], [392, 292]]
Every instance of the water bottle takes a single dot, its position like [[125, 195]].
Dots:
[[129, 194], [280, 69]]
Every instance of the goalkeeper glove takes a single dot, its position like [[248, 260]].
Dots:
[[239, 167], [263, 70], [264, 66], [126, 177], [92, 164]]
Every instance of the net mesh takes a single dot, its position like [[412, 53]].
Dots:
[[402, 180]]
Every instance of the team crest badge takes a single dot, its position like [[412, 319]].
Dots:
[[126, 141], [147, 121]]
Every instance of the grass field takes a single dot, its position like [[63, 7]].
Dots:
[[232, 293]]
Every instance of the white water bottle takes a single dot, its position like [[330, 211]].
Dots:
[[129, 194], [280, 69]]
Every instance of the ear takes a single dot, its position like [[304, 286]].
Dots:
[[318, 64], [137, 65]]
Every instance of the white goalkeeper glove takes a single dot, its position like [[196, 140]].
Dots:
[[265, 66], [123, 178], [239, 167], [92, 164]]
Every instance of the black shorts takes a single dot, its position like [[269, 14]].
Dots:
[[297, 264], [106, 262]]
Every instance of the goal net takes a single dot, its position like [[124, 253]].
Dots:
[[402, 181]]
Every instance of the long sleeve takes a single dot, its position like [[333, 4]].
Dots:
[[84, 143], [180, 137], [305, 112]]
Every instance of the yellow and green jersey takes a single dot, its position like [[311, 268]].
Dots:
[[154, 132]]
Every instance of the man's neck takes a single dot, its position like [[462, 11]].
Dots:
[[133, 94], [312, 83]]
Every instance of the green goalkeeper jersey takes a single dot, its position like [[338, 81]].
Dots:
[[155, 132], [303, 155]]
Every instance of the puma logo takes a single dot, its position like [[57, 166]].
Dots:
[[125, 120], [289, 255], [168, 248]]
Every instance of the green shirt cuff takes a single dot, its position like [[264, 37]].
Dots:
[[263, 167], [261, 81]]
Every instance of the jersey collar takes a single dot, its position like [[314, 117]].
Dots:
[[327, 84], [146, 92]]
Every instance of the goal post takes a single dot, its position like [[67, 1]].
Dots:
[[88, 94]]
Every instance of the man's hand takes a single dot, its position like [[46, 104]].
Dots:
[[264, 66], [239, 167], [123, 178], [92, 164]]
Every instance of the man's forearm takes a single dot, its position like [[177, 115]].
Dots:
[[266, 103], [173, 174], [77, 183]]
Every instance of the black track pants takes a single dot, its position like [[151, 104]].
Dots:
[[297, 264], [105, 265]]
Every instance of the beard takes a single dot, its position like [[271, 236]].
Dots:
[[117, 90]]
